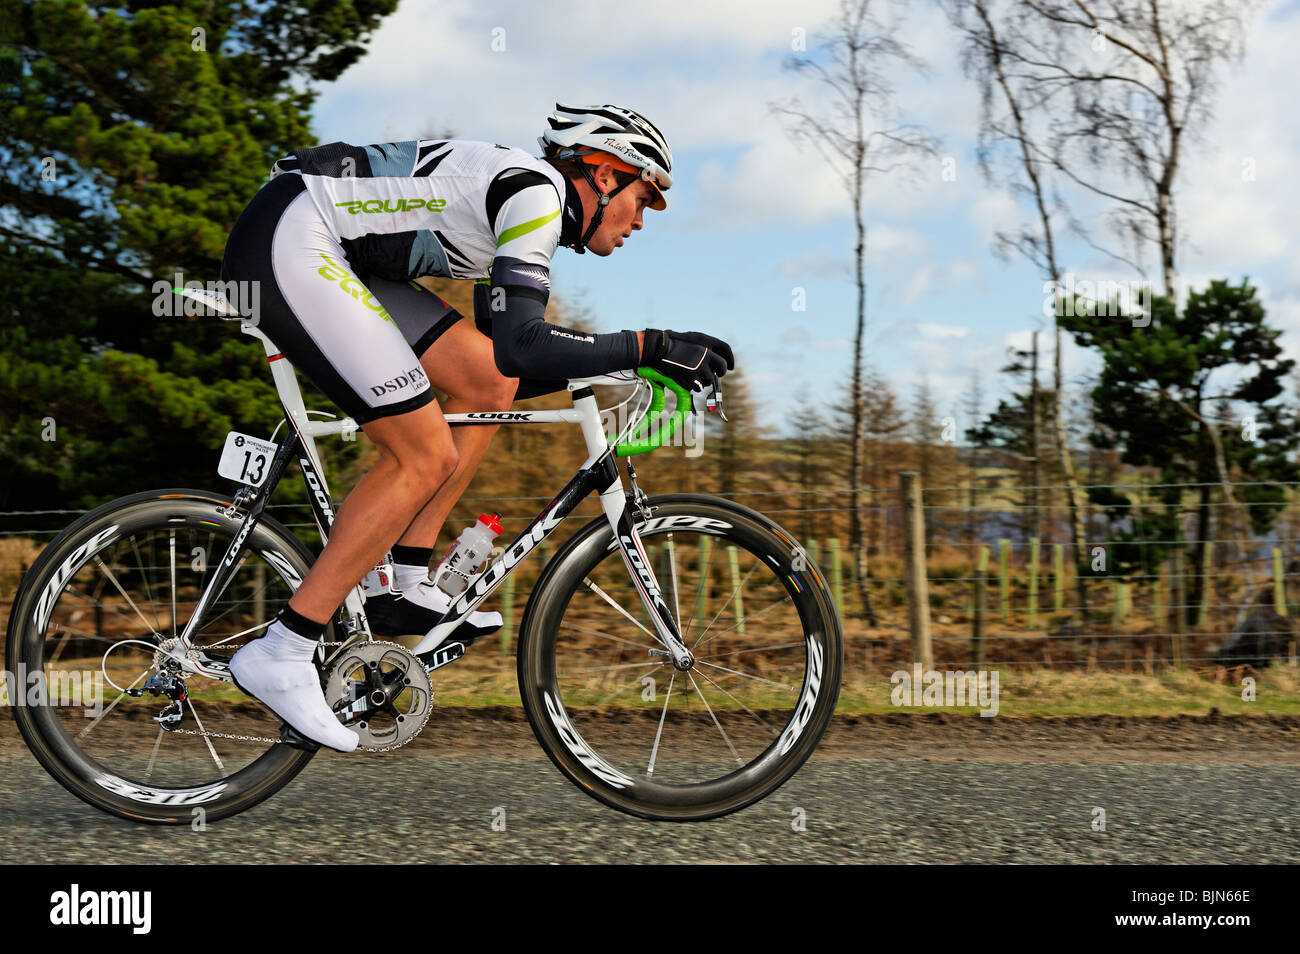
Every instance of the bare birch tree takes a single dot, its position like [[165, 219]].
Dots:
[[852, 125], [1101, 97], [1005, 103]]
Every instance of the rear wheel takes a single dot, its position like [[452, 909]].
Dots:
[[652, 741], [113, 719]]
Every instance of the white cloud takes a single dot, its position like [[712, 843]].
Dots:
[[932, 330], [770, 184], [815, 264]]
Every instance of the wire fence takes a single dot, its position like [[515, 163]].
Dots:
[[1179, 576]]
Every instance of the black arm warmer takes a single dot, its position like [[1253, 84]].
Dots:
[[525, 345]]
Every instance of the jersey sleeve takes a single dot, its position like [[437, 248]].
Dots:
[[525, 213]]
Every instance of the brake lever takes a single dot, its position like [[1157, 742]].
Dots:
[[714, 402]]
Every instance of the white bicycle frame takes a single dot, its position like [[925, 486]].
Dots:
[[599, 472]]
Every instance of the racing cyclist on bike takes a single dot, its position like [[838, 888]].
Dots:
[[335, 240]]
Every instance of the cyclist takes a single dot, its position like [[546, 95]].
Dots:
[[335, 239]]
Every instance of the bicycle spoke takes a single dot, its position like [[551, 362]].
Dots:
[[130, 602], [199, 722], [734, 591], [756, 716], [153, 756], [610, 600], [598, 632], [654, 751], [672, 567], [620, 688], [747, 675], [243, 632], [144, 577], [757, 649], [95, 601], [58, 650], [726, 738], [112, 705], [749, 619], [634, 665], [699, 593], [259, 591]]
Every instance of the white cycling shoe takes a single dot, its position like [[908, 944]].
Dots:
[[277, 670]]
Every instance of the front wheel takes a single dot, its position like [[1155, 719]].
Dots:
[[645, 738]]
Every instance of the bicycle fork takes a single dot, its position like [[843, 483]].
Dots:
[[619, 507]]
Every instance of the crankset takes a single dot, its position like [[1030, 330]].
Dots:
[[382, 692]]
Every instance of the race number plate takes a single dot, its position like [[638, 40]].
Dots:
[[246, 459]]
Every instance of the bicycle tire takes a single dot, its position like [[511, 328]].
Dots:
[[40, 726], [553, 720]]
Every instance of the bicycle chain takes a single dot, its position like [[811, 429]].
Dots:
[[221, 735]]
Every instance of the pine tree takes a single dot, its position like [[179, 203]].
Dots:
[[805, 446], [133, 137], [1155, 398]]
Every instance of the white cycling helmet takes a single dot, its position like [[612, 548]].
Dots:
[[624, 133]]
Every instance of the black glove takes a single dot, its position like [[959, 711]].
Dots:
[[692, 359]]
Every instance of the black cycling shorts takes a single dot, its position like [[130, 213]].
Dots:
[[359, 340]]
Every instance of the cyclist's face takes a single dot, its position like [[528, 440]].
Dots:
[[622, 215]]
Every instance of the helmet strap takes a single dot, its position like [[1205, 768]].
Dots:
[[602, 200]]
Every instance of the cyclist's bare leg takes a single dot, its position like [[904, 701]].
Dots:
[[460, 363], [416, 456]]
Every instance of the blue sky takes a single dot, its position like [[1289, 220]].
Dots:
[[752, 218]]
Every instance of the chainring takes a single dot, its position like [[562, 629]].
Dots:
[[382, 692]]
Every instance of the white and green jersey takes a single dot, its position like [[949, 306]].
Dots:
[[453, 208]]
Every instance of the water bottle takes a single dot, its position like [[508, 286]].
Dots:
[[467, 555]]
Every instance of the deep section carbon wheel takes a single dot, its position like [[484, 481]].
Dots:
[[652, 741], [111, 716]]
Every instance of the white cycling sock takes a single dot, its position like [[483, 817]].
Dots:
[[277, 669], [408, 577]]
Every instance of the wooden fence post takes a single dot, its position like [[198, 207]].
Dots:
[[1158, 600], [1004, 578], [259, 592], [837, 573], [918, 596], [1033, 582], [1203, 607], [1279, 584], [1123, 603], [1178, 596], [507, 614], [702, 594], [1058, 577], [733, 563], [979, 598]]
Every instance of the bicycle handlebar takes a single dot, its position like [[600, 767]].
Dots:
[[648, 437]]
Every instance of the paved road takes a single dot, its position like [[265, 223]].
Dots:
[[421, 806]]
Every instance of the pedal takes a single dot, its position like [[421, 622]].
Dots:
[[296, 740]]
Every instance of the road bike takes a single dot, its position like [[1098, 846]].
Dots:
[[677, 687]]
